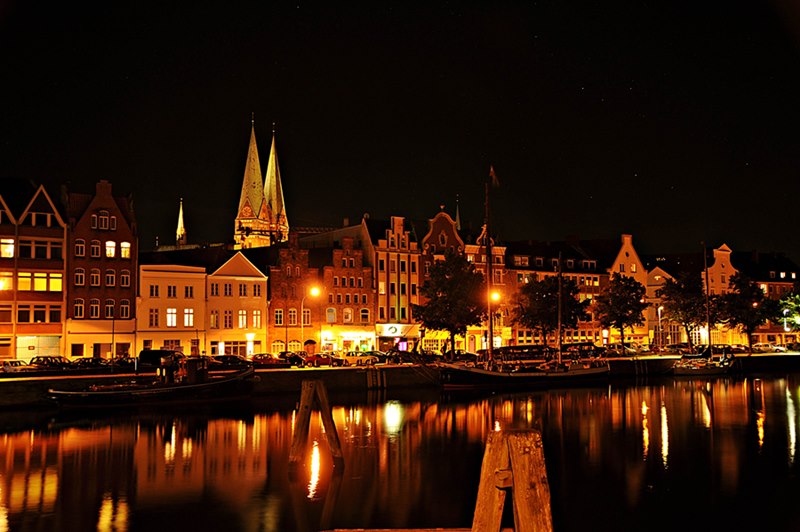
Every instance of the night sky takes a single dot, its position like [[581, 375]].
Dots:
[[677, 121]]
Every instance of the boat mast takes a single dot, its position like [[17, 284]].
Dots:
[[559, 308], [708, 306], [487, 241]]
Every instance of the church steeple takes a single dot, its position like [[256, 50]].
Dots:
[[180, 235], [273, 194], [252, 219]]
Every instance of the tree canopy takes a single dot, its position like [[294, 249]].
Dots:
[[454, 296], [747, 307], [684, 302], [621, 304], [536, 305]]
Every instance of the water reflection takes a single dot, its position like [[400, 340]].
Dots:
[[626, 453]]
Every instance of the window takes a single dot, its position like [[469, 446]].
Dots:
[[352, 263], [109, 308], [402, 266], [402, 313], [94, 221], [227, 317], [338, 298], [633, 268], [361, 282], [344, 262], [352, 282], [55, 314], [228, 289], [94, 308], [288, 271], [7, 248], [278, 316], [94, 277], [172, 317], [381, 265], [214, 320], [188, 317], [392, 266], [113, 226], [347, 315], [125, 278], [95, 248], [413, 266], [621, 267], [24, 281], [256, 290], [153, 318], [125, 309], [39, 313], [80, 276], [330, 315], [104, 220], [242, 290], [364, 313], [214, 289], [392, 289], [125, 250], [172, 291], [188, 292], [335, 281], [153, 290], [77, 308], [402, 289], [306, 316], [111, 249], [256, 319], [5, 313], [23, 314], [292, 316], [80, 248], [242, 319], [111, 278]]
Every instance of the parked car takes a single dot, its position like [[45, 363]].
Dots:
[[14, 366], [231, 362], [49, 362], [766, 347], [150, 359], [323, 359], [359, 358], [91, 363], [268, 360], [293, 358]]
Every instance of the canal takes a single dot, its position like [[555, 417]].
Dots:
[[661, 455]]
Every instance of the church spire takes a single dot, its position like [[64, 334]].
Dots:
[[180, 236], [252, 221], [273, 195]]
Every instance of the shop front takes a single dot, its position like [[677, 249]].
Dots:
[[399, 336]]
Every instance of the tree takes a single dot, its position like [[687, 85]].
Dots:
[[536, 305], [790, 309], [685, 302], [621, 304], [455, 297], [746, 307]]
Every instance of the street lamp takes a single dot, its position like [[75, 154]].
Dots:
[[660, 330], [494, 296], [314, 292]]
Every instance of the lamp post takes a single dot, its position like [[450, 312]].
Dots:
[[660, 330], [314, 292], [494, 297]]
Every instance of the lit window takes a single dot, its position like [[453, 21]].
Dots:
[[347, 315], [242, 319], [188, 317], [278, 316], [111, 249], [7, 248], [56, 282], [256, 319], [6, 280], [24, 281], [306, 316], [172, 317], [214, 321], [292, 316], [125, 250]]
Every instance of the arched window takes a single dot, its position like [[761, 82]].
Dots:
[[77, 308], [364, 315], [125, 250], [125, 278], [109, 308], [347, 315], [80, 277], [125, 309], [94, 308], [330, 315], [80, 248], [104, 220], [111, 278], [94, 277]]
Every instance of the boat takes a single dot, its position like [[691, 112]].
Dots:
[[702, 367], [235, 385], [504, 376]]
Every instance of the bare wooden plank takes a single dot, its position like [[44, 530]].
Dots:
[[489, 506], [301, 426], [531, 491], [330, 427]]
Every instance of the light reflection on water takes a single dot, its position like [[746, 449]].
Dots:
[[676, 454]]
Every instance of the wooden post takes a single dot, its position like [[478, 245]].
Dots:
[[312, 389], [513, 461]]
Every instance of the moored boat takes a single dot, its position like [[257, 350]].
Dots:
[[213, 388], [702, 367], [460, 376]]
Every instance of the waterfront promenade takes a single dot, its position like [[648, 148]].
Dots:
[[31, 391]]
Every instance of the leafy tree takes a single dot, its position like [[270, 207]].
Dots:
[[684, 302], [790, 309], [455, 297], [536, 305], [621, 304], [746, 307]]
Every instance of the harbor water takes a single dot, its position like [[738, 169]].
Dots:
[[664, 454]]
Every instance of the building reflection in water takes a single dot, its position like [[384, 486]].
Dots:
[[175, 471]]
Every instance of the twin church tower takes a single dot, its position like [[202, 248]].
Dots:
[[261, 217]]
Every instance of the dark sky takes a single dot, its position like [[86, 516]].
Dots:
[[678, 121]]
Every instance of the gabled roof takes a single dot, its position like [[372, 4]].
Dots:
[[238, 266]]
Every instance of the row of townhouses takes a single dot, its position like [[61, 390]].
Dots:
[[74, 282]]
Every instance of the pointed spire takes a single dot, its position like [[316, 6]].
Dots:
[[252, 190], [180, 236], [458, 216], [273, 195]]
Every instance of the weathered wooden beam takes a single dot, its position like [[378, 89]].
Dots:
[[489, 506], [530, 491]]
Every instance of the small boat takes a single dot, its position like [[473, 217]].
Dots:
[[702, 367], [161, 391], [465, 377]]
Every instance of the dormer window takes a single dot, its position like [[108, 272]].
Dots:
[[104, 220]]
